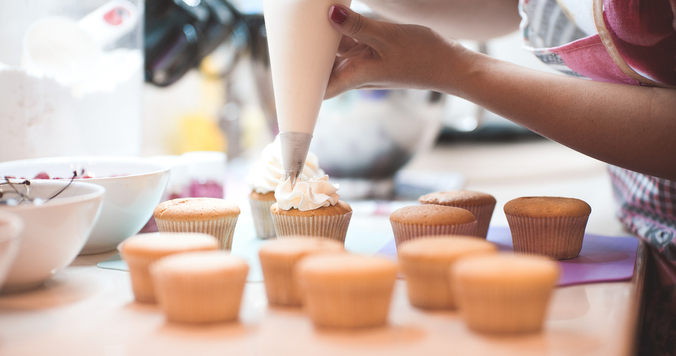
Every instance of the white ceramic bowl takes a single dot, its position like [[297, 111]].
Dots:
[[11, 226], [54, 232], [134, 186]]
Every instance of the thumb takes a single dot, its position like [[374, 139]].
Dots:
[[354, 25]]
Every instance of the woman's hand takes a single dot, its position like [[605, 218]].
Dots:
[[381, 55]]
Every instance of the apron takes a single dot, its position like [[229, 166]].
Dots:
[[630, 42]]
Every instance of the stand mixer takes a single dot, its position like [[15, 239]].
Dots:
[[362, 137]]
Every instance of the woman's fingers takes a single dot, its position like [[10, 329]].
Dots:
[[346, 44], [352, 70], [354, 25]]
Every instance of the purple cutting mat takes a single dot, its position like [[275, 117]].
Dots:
[[602, 259]]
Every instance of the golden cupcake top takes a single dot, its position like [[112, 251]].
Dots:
[[195, 209], [446, 248], [430, 214], [507, 269], [154, 245], [544, 207], [340, 208], [201, 263], [269, 196], [294, 247], [346, 266], [457, 197]]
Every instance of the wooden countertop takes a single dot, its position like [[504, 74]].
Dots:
[[85, 310]]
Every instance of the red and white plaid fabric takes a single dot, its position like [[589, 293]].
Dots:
[[647, 207]]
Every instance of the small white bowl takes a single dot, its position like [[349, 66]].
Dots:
[[134, 186], [54, 232], [11, 226]]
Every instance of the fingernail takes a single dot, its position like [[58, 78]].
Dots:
[[338, 15]]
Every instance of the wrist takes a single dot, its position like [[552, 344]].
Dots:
[[462, 68]]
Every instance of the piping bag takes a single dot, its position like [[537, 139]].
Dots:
[[302, 46]]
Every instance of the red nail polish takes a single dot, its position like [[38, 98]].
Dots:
[[338, 15]]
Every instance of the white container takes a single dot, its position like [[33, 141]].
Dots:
[[11, 226], [70, 84], [54, 232]]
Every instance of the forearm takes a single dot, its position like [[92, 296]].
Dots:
[[478, 20], [628, 126]]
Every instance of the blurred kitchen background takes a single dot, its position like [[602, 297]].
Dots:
[[180, 76]]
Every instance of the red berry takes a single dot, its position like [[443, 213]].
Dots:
[[41, 175]]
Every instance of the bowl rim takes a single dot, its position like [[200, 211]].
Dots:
[[98, 191], [160, 167]]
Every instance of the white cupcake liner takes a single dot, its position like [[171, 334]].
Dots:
[[222, 229], [559, 238], [404, 232], [503, 308], [280, 284], [482, 213], [199, 299], [141, 281], [260, 209], [328, 226], [430, 290], [347, 304]]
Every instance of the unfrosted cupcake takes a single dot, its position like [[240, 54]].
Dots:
[[504, 293], [278, 260], [479, 204], [311, 208], [426, 262], [200, 287], [345, 290], [263, 180], [547, 226], [426, 220], [216, 217], [141, 250]]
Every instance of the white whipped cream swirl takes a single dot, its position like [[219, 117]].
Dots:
[[313, 194], [267, 173]]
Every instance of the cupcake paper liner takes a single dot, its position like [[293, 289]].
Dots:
[[559, 238], [430, 290], [141, 281], [222, 229], [280, 285], [348, 304], [200, 299], [405, 232], [483, 214], [503, 309], [262, 218], [332, 227]]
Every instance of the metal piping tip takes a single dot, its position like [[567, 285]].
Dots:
[[295, 146], [294, 178]]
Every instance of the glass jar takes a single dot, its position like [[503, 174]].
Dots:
[[71, 76]]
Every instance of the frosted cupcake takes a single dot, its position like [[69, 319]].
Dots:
[[142, 250], [503, 293], [200, 287], [310, 208], [479, 204], [547, 226], [263, 180], [345, 290], [427, 262], [278, 261], [216, 217], [413, 221]]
